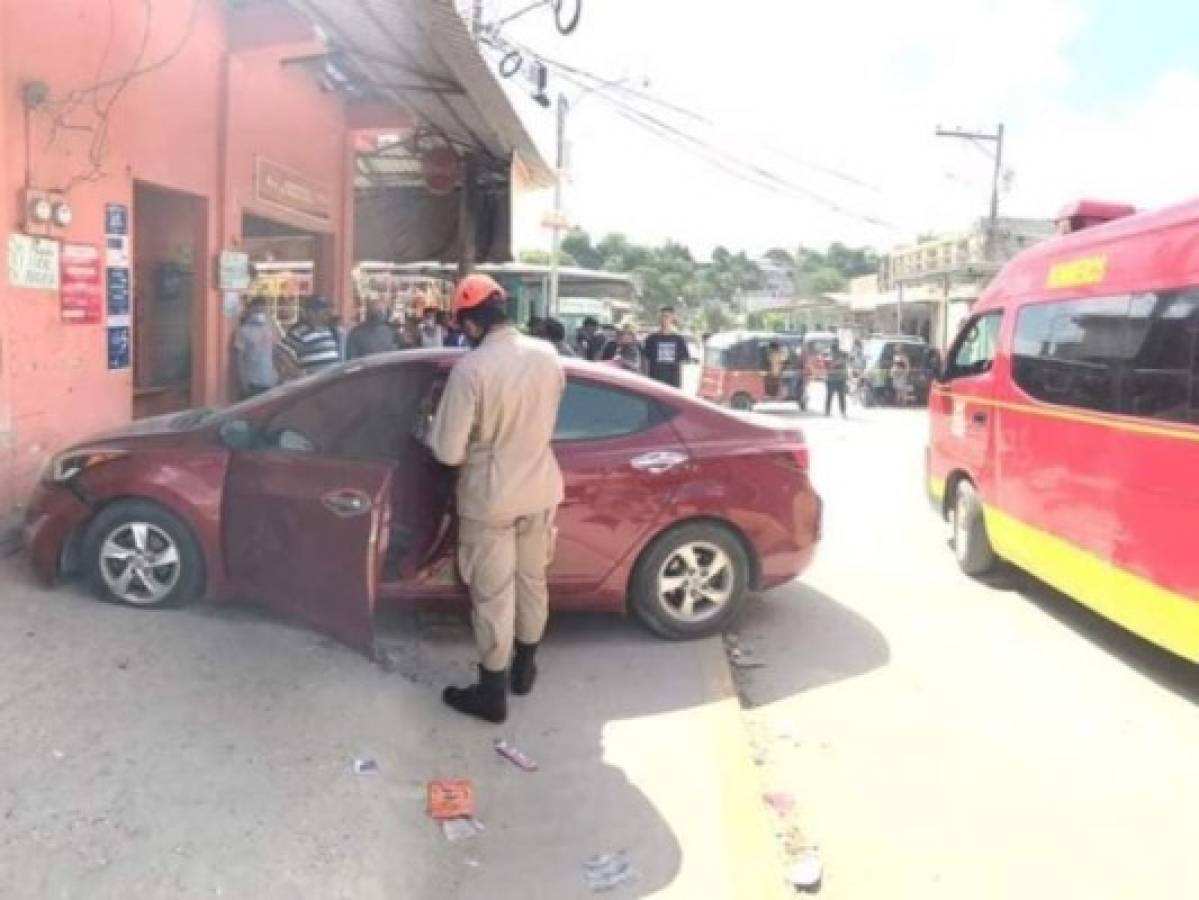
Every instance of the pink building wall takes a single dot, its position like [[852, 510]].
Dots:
[[217, 98]]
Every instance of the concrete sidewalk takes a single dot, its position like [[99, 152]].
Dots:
[[208, 752]]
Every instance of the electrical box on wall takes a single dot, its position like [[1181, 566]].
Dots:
[[46, 211]]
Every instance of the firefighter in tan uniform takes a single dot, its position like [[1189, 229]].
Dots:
[[495, 422]]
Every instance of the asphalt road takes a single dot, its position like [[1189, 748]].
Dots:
[[947, 738]]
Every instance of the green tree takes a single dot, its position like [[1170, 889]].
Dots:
[[542, 258], [578, 244]]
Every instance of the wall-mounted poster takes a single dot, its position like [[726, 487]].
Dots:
[[79, 284], [118, 347], [117, 283]]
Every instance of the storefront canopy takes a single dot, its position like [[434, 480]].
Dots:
[[419, 55]]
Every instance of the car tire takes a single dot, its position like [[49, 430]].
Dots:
[[742, 402], [701, 568], [139, 554], [971, 546]]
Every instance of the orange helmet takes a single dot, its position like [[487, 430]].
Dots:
[[475, 290]]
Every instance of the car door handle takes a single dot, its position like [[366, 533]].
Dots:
[[658, 461], [346, 503], [979, 418]]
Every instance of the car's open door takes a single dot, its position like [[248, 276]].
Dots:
[[303, 535]]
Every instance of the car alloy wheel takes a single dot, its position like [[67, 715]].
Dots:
[[140, 563], [695, 582]]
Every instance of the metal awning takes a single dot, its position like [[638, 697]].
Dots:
[[419, 55]]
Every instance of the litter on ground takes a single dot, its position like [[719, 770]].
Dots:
[[807, 871], [451, 799], [514, 755], [365, 767], [608, 871], [781, 802], [461, 828]]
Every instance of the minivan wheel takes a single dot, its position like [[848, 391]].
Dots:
[[691, 583], [971, 546], [139, 554], [743, 402]]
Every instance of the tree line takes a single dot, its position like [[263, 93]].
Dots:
[[670, 273]]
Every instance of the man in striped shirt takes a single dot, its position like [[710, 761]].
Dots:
[[311, 342]]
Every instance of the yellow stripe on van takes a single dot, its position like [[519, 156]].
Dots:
[[1085, 270], [936, 487], [1161, 428], [1162, 616]]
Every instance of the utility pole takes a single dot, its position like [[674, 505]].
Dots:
[[997, 138], [476, 20], [556, 223]]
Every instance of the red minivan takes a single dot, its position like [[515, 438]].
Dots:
[[1065, 424]]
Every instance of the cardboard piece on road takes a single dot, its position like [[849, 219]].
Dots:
[[451, 799]]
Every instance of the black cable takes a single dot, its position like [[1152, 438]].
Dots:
[[570, 23], [681, 110], [747, 171]]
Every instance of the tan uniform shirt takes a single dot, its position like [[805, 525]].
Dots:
[[496, 420]]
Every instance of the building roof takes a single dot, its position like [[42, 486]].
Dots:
[[419, 55]]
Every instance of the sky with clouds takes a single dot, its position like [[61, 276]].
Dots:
[[835, 105]]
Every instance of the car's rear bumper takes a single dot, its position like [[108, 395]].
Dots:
[[785, 561], [53, 514]]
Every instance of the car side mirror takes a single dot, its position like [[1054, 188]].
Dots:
[[238, 434]]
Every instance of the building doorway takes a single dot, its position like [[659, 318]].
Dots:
[[169, 230], [289, 264]]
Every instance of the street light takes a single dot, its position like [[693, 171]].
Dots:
[[556, 221]]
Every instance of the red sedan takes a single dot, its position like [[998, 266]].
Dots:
[[320, 500]]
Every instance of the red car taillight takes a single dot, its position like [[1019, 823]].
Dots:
[[796, 458]]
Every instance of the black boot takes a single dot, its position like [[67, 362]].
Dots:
[[524, 668], [487, 700]]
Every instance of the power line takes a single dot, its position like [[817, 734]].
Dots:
[[568, 69], [728, 162]]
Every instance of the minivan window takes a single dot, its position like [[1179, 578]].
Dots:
[[1162, 347], [1067, 352], [1137, 355], [974, 353]]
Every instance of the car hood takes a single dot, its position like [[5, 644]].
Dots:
[[182, 428], [171, 423]]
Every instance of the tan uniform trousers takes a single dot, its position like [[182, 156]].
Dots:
[[504, 566]]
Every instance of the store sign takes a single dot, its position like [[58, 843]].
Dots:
[[79, 284], [32, 262], [280, 186], [233, 271]]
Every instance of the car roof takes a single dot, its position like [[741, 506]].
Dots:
[[444, 357]]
